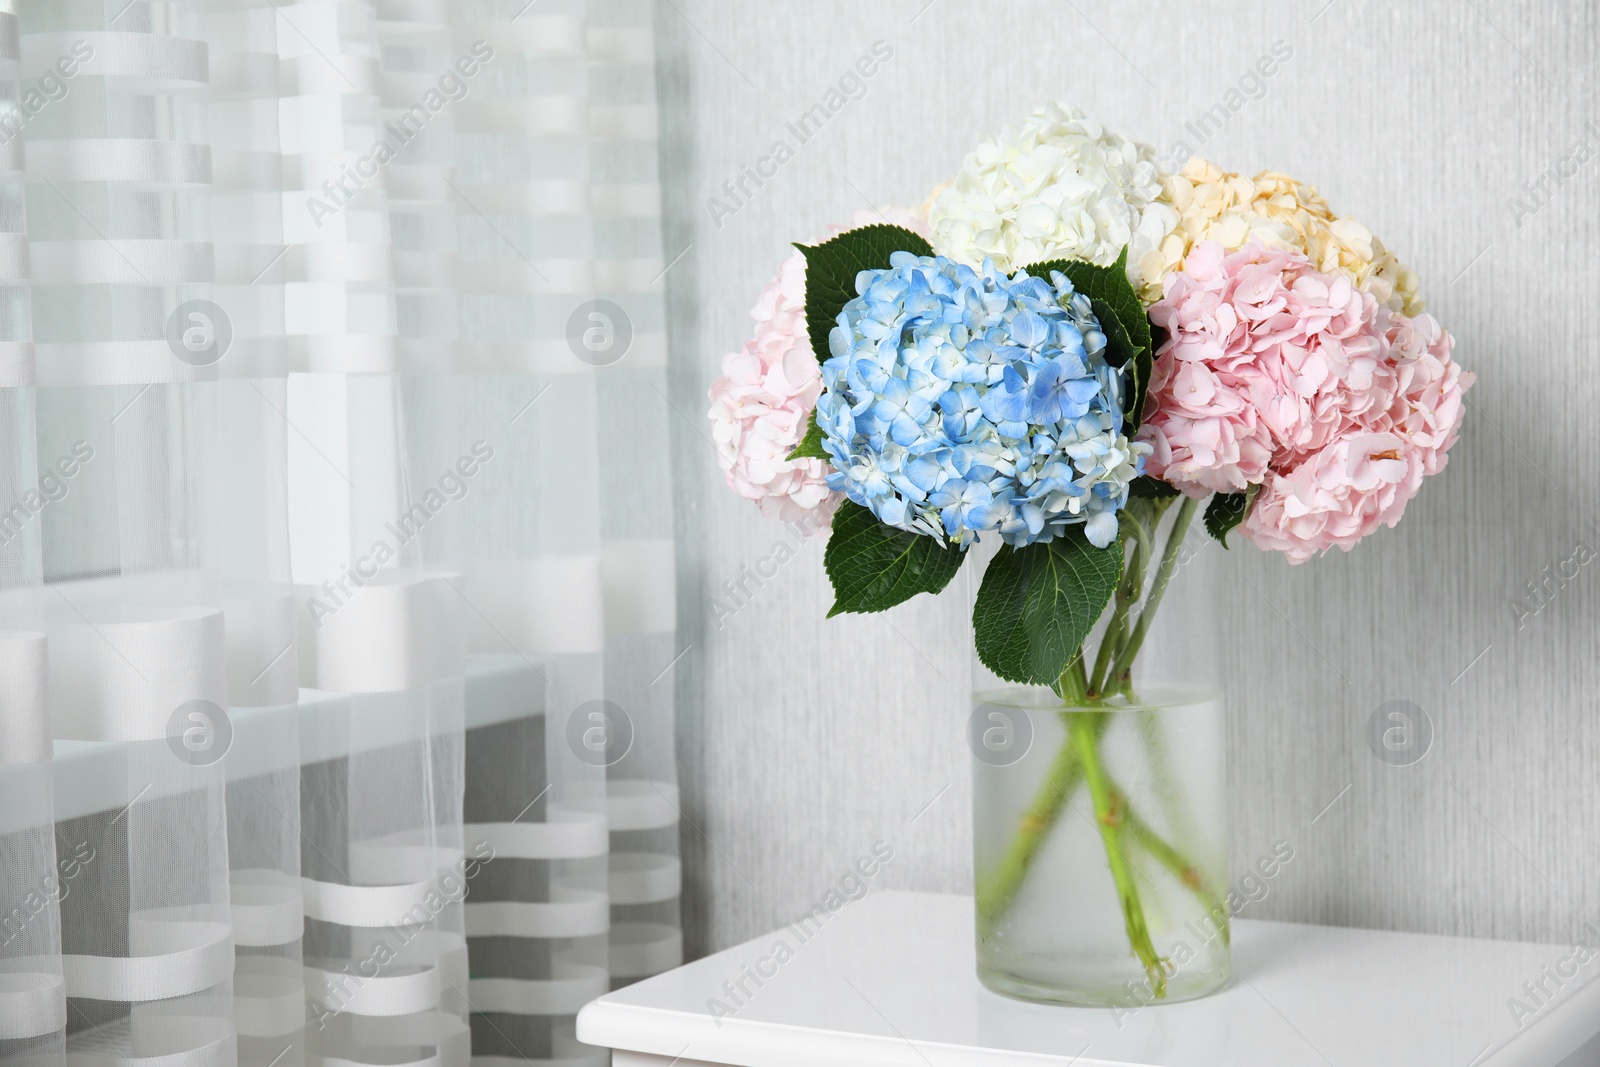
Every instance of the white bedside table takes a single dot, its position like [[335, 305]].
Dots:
[[888, 982]]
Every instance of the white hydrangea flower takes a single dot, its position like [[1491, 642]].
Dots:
[[1058, 186]]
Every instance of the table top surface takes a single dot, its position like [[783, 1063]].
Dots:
[[889, 980]]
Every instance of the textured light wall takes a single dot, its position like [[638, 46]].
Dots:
[[803, 742]]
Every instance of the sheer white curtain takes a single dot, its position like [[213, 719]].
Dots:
[[336, 612], [32, 1001]]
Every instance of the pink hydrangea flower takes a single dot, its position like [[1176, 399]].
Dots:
[[1259, 346], [762, 402], [1430, 402], [1336, 496], [1278, 375], [1365, 477]]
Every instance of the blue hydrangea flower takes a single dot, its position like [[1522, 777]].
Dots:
[[957, 403]]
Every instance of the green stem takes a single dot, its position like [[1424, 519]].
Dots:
[[1180, 866], [1108, 643], [1179, 819], [1111, 818], [1122, 667], [995, 890], [1073, 685], [1128, 590]]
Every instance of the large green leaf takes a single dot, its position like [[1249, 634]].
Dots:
[[832, 266], [810, 446], [1228, 510], [874, 566], [1037, 604], [1129, 345]]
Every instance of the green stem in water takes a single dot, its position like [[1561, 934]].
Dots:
[[1180, 866], [1178, 818], [1111, 818], [994, 892]]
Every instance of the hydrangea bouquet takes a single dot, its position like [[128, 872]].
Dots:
[[1077, 355]]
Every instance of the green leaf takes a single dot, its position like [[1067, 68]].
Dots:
[[1037, 604], [1150, 488], [1135, 362], [810, 446], [1121, 351], [1129, 344], [1228, 510], [874, 566], [832, 266]]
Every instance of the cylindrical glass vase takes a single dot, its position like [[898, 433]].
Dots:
[[1099, 806], [1075, 856]]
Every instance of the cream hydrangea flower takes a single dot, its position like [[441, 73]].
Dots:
[[1058, 186], [1216, 205]]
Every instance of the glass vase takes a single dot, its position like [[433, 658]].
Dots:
[[1100, 809], [1101, 878]]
